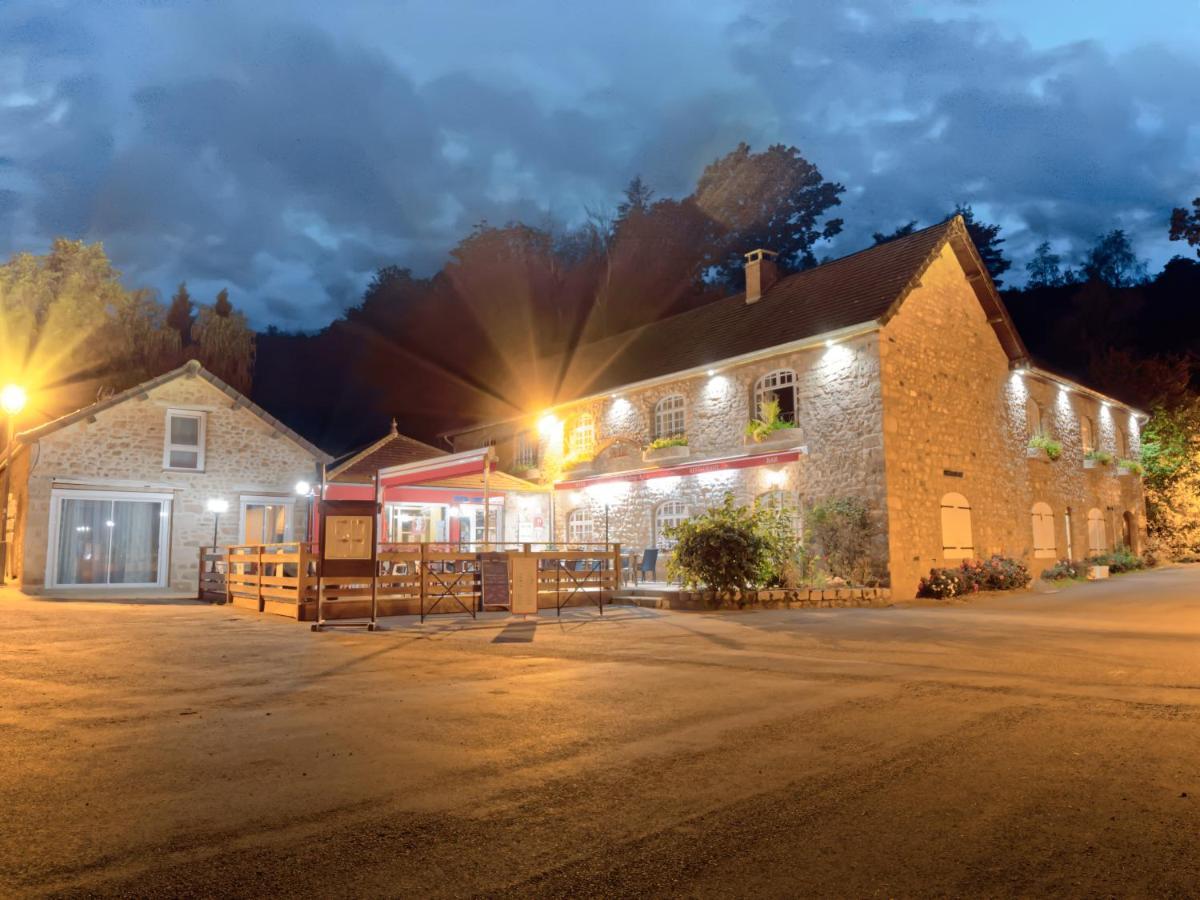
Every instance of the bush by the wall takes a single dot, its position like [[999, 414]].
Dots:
[[841, 532], [1119, 560], [999, 573], [1063, 569]]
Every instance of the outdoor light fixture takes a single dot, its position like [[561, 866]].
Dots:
[[13, 399], [829, 343], [547, 424], [216, 506], [711, 372], [303, 488]]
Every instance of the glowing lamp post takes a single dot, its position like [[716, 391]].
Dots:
[[216, 506], [12, 401]]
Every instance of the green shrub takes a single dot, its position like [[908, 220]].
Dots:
[[1101, 456], [1121, 559], [841, 532], [1131, 465], [679, 440], [999, 573], [1052, 447], [727, 548], [1062, 570], [768, 421]]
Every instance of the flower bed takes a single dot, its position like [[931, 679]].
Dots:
[[1000, 573]]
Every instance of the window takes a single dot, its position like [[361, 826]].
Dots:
[[1097, 540], [1067, 530], [1122, 444], [580, 527], [582, 441], [101, 539], [1033, 415], [668, 514], [265, 520], [526, 455], [785, 501], [184, 446], [1043, 531], [957, 542], [1087, 434], [779, 385], [669, 417]]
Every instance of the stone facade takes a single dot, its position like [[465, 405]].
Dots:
[[120, 449], [900, 415]]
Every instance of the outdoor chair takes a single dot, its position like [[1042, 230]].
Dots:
[[648, 565]]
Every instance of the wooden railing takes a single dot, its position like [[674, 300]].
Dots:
[[413, 579]]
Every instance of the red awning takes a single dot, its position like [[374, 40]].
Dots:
[[710, 465]]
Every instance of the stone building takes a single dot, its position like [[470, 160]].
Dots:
[[906, 386], [115, 495]]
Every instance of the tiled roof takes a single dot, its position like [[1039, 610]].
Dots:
[[860, 288], [393, 449], [191, 369]]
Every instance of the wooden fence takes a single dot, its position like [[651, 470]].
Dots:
[[413, 579]]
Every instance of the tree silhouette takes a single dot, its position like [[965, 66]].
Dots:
[[1185, 226], [987, 241]]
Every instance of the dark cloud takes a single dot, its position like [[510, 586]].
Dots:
[[287, 151]]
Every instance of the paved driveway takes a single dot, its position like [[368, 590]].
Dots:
[[1044, 743]]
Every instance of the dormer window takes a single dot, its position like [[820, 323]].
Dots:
[[183, 449]]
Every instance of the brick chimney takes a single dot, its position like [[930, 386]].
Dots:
[[761, 273]]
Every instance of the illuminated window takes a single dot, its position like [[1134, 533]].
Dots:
[[669, 417], [580, 526], [668, 515], [1097, 538], [183, 447], [957, 542], [779, 385], [1043, 531], [582, 441], [787, 503], [1087, 434]]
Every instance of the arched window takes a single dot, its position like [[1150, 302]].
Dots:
[[957, 542], [1033, 413], [1043, 531], [779, 385], [1122, 443], [786, 502], [669, 417], [669, 513], [580, 527], [581, 443], [1097, 539], [1087, 434]]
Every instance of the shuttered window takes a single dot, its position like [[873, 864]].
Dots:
[[1033, 412], [1043, 531], [1087, 434], [957, 542], [1097, 539]]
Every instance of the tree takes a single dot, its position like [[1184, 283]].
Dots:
[[1045, 268], [225, 343], [901, 231], [179, 314], [775, 200], [638, 197], [987, 241], [1185, 226], [70, 329], [1113, 261]]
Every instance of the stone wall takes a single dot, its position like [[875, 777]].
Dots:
[[123, 450], [955, 421], [839, 413]]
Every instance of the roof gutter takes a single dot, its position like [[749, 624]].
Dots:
[[1045, 375], [712, 368]]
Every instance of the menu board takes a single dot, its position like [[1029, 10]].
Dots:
[[493, 580]]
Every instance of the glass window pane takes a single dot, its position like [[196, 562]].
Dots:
[[184, 459], [185, 430], [135, 536], [83, 541], [253, 529]]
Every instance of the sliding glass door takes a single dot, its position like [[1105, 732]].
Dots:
[[101, 539]]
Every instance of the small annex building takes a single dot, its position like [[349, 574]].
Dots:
[[115, 496]]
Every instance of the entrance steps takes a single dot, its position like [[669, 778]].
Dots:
[[658, 597]]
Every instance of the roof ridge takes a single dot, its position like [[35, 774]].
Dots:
[[354, 456]]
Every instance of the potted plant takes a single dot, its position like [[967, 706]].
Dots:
[[673, 447], [1130, 467], [1093, 459], [769, 427], [1042, 447]]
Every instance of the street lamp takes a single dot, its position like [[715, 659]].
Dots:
[[216, 506], [304, 489], [12, 400]]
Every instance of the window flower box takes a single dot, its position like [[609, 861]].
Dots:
[[1095, 573], [1037, 453], [1044, 448], [775, 440], [1127, 467], [665, 449], [1095, 459]]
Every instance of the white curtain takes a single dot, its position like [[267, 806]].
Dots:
[[108, 541]]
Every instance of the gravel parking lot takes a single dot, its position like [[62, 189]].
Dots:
[[1023, 745]]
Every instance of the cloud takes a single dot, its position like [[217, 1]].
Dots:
[[288, 150]]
